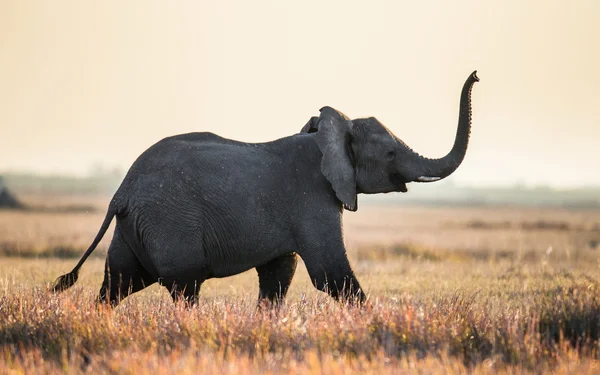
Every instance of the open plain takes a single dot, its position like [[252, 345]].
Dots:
[[451, 290]]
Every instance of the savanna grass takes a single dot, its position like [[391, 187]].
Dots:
[[444, 297], [529, 321]]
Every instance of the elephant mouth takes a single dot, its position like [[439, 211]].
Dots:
[[399, 183]]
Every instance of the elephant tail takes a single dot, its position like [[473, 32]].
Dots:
[[66, 281]]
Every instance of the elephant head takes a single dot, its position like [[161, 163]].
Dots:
[[363, 156]]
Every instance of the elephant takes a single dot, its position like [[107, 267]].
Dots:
[[198, 206]]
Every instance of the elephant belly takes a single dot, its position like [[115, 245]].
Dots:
[[199, 252], [217, 262], [224, 269], [227, 261]]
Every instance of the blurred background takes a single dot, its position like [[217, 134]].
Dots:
[[88, 86]]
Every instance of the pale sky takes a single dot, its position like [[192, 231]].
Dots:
[[84, 82]]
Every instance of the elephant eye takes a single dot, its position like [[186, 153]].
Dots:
[[390, 155]]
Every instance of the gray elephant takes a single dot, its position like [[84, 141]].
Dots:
[[197, 206]]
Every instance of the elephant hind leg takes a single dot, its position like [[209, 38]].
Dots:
[[275, 277], [185, 291], [123, 273]]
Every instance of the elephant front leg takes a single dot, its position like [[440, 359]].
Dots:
[[330, 272], [275, 278]]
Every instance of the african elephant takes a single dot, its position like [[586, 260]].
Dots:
[[197, 206]]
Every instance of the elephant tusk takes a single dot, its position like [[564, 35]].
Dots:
[[427, 179]]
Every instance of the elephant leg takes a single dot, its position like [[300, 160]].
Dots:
[[185, 291], [335, 277], [324, 255], [123, 273], [275, 278]]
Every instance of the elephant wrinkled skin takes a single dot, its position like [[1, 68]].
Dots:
[[197, 206]]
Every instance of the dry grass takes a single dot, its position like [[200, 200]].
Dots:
[[52, 232], [445, 296]]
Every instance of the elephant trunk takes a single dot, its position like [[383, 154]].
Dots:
[[429, 170]]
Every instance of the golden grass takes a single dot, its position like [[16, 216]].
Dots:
[[445, 296], [52, 232]]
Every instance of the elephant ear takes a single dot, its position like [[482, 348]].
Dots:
[[311, 125], [333, 137]]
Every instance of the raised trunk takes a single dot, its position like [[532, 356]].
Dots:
[[428, 170]]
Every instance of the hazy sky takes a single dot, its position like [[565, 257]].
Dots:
[[84, 82]]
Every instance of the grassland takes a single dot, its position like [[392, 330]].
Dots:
[[451, 290]]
